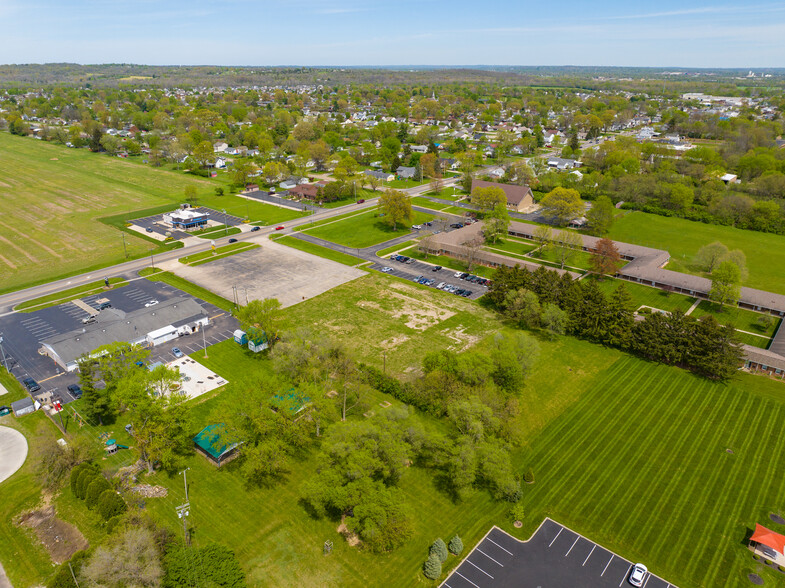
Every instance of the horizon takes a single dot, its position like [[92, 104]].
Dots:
[[306, 32]]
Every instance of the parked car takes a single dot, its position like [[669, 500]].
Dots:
[[638, 574], [31, 385], [409, 260], [361, 200], [768, 551], [89, 319], [440, 285], [104, 305], [387, 270], [436, 268], [416, 227], [176, 352], [75, 391], [151, 303], [4, 410], [279, 228], [149, 230], [253, 230], [458, 274], [232, 240]]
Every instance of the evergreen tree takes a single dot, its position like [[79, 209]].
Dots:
[[456, 545], [439, 549], [432, 568]]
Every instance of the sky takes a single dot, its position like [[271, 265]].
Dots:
[[665, 33]]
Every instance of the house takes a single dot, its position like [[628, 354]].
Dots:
[[220, 147], [496, 172], [406, 173], [519, 198], [419, 148], [563, 163], [764, 360], [380, 175], [211, 443], [288, 184], [449, 163], [730, 178], [309, 191], [220, 163]]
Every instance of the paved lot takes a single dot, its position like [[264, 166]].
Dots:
[[13, 451], [554, 557], [23, 332], [273, 271], [411, 271], [158, 227]]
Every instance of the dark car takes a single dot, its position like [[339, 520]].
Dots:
[[104, 305], [256, 229], [232, 240], [75, 391], [436, 268], [361, 200], [149, 230], [31, 385], [4, 410]]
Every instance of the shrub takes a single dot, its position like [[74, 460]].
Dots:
[[85, 479], [218, 567], [94, 491], [528, 477], [781, 568], [456, 545], [77, 471], [63, 577], [111, 504], [439, 549], [432, 568], [517, 512], [112, 523]]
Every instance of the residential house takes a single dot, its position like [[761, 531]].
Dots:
[[220, 147], [419, 148], [307, 191], [406, 173], [380, 175], [563, 163], [519, 198]]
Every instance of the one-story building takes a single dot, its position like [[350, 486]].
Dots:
[[147, 327], [24, 406], [380, 175], [519, 198], [186, 218]]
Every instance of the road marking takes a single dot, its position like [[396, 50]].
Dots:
[[557, 536], [646, 581], [573, 545], [479, 568], [465, 578], [50, 378], [624, 577], [588, 556], [499, 546], [606, 566], [489, 557]]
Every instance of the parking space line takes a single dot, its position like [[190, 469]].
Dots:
[[571, 546], [606, 565], [479, 568], [646, 581], [489, 557], [465, 578], [499, 546], [588, 556], [624, 577], [557, 536]]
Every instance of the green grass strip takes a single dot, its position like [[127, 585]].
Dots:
[[68, 295], [320, 251], [207, 256], [216, 232], [158, 275], [394, 248]]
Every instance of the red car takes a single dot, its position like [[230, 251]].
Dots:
[[279, 228]]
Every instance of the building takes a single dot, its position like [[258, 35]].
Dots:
[[24, 406], [406, 173], [519, 198], [147, 327], [764, 361], [380, 175], [186, 218], [209, 443], [307, 191]]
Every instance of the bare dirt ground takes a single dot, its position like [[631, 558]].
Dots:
[[61, 539]]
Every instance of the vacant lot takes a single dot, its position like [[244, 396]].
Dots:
[[52, 197], [683, 238], [363, 230]]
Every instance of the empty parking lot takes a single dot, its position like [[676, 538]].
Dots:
[[554, 557]]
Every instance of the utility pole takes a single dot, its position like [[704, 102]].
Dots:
[[125, 250], [185, 482], [204, 342], [73, 575], [226, 227], [182, 513], [2, 352], [152, 261]]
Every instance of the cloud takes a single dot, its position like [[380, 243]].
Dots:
[[697, 11], [339, 10]]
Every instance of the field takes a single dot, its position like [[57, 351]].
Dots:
[[510, 245], [362, 230], [258, 213], [646, 295], [393, 248], [438, 206], [52, 198], [319, 250], [683, 238]]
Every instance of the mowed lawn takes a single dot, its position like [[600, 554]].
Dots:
[[682, 238], [646, 295], [364, 229], [52, 197], [666, 468]]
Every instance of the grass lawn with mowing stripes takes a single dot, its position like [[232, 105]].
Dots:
[[215, 232], [646, 295], [220, 252], [68, 295], [739, 318], [259, 213], [683, 238], [314, 249], [640, 465], [512, 245], [363, 230]]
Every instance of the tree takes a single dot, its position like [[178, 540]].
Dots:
[[96, 404], [496, 223], [523, 306], [111, 504], [517, 512], [428, 165], [566, 245], [261, 317], [562, 205], [455, 545], [553, 319], [738, 257], [319, 153], [439, 549], [708, 256], [97, 487], [54, 461], [132, 559], [218, 566], [600, 215], [204, 154], [190, 194], [543, 234], [605, 259], [487, 198], [425, 244], [726, 284], [471, 250], [396, 207], [432, 568]]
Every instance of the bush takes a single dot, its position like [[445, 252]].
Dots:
[[439, 549], [63, 577], [456, 545], [94, 491], [528, 477], [432, 568], [517, 512], [218, 567], [77, 471], [85, 479], [112, 523], [111, 504]]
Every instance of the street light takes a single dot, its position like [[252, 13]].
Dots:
[[226, 226]]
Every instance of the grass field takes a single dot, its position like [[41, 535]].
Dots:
[[157, 275], [437, 206], [646, 295], [683, 238], [68, 295], [220, 253], [394, 248], [52, 198], [216, 232], [343, 258], [363, 230], [258, 213], [580, 259], [512, 245]]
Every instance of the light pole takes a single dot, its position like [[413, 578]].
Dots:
[[152, 261], [125, 250], [2, 352], [226, 226], [204, 342]]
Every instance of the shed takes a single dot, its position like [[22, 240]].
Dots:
[[240, 337], [210, 444], [24, 406]]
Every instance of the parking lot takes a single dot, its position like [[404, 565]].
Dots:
[[156, 225], [22, 333], [554, 557], [411, 271]]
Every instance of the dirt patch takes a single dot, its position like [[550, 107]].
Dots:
[[149, 491], [393, 342], [461, 338], [351, 538], [61, 539]]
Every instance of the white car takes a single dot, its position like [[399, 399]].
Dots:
[[638, 574], [458, 274], [151, 303], [440, 285], [417, 227], [387, 270]]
